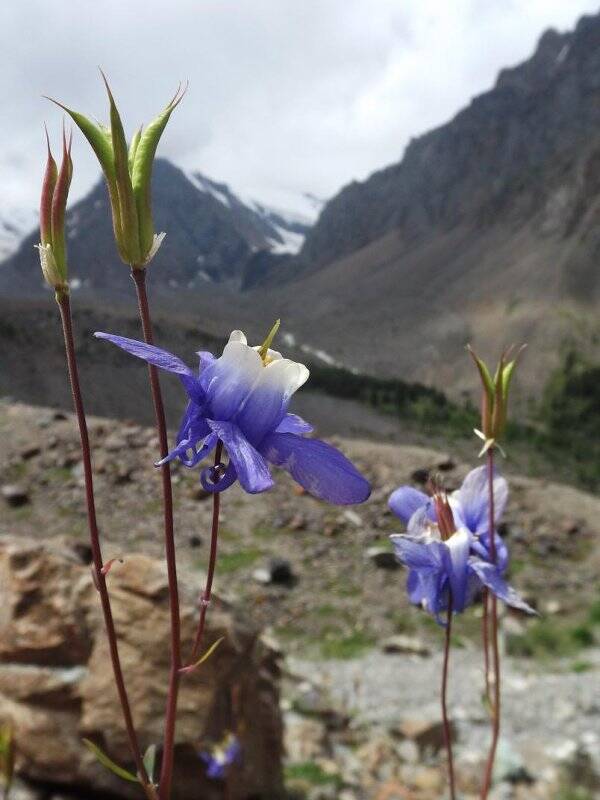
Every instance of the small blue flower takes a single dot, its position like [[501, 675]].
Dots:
[[446, 548], [221, 756], [470, 509], [242, 399]]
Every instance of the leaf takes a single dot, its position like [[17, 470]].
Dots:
[[133, 148], [150, 761], [141, 175], [109, 763], [202, 659]]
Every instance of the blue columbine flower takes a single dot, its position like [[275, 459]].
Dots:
[[446, 547], [241, 399], [221, 756], [470, 509]]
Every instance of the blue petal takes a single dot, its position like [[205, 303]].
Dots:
[[292, 423], [416, 553], [318, 467], [481, 547], [226, 480], [490, 576], [458, 547], [148, 352], [228, 380], [405, 501], [252, 469], [472, 500]]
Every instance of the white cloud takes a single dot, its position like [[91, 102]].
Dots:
[[284, 96]]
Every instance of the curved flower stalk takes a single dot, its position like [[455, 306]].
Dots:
[[241, 399], [128, 174], [53, 258]]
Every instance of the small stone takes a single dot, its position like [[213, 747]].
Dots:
[[428, 735], [428, 779], [59, 416], [114, 442], [446, 464], [382, 558], [420, 476], [262, 575], [14, 495], [405, 644], [304, 738], [297, 522], [353, 518], [30, 452], [281, 572], [195, 541]]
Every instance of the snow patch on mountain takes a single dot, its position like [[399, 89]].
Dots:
[[15, 224]]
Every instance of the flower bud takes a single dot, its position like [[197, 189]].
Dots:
[[494, 398], [128, 174], [53, 204]]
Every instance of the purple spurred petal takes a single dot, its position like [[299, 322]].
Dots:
[[416, 553], [252, 469], [405, 501], [472, 500], [458, 547], [321, 469], [148, 352], [490, 576], [292, 423]]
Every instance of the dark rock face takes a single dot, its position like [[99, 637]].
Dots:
[[56, 684], [502, 157], [211, 234]]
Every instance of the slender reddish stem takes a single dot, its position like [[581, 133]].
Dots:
[[446, 721], [485, 635], [100, 579], [166, 775], [212, 561], [487, 781]]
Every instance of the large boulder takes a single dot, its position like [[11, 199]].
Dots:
[[57, 686]]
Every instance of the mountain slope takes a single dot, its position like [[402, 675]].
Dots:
[[487, 230], [211, 236]]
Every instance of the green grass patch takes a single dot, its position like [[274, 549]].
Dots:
[[546, 638], [310, 773], [345, 647], [239, 559], [581, 666]]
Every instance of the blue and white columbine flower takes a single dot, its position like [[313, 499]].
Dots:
[[242, 399], [446, 548], [221, 756]]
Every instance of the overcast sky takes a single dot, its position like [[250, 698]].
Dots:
[[285, 96]]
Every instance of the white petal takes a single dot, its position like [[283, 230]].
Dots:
[[238, 336]]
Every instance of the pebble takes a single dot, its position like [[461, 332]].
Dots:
[[382, 558], [405, 644], [14, 495]]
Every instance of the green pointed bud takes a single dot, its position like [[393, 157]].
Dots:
[[494, 405], [141, 177], [128, 174], [130, 241], [55, 192], [266, 345]]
